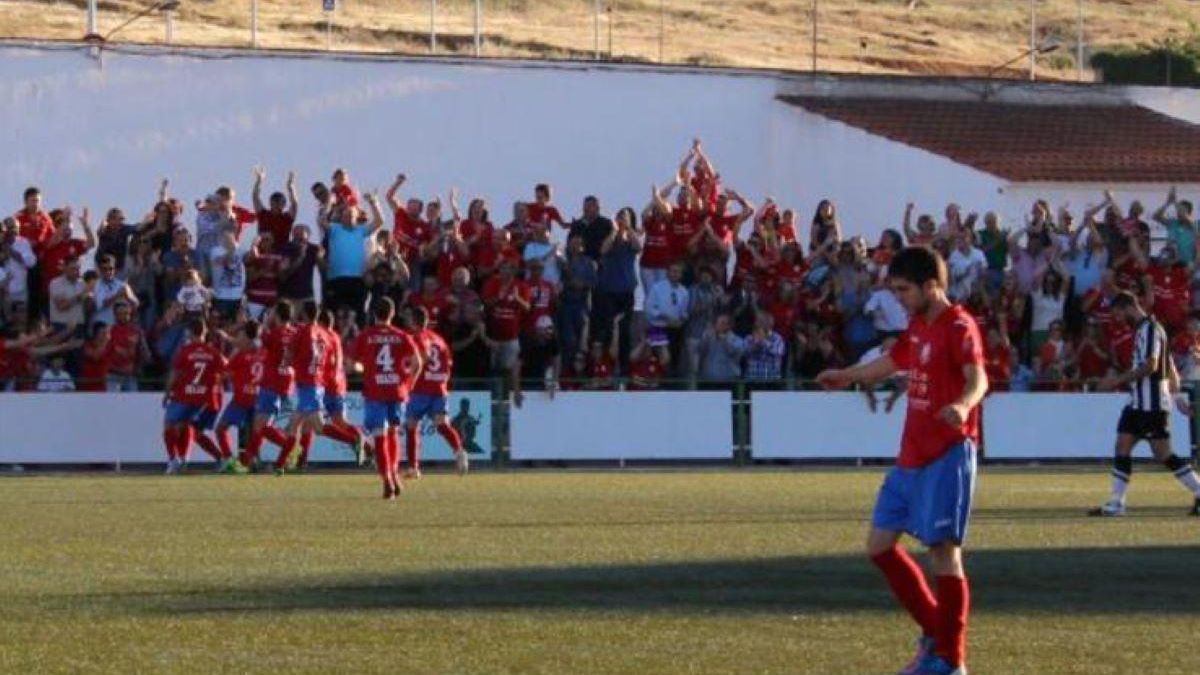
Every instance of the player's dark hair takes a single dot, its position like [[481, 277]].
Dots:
[[918, 265], [325, 318], [420, 317], [284, 311], [250, 329], [224, 192], [1124, 299], [541, 188], [383, 309], [196, 328], [32, 192], [309, 310]]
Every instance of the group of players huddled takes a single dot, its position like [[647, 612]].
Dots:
[[297, 355]]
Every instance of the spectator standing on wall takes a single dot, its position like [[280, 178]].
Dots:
[[110, 289], [616, 282], [764, 351], [470, 344], [720, 351], [69, 295], [300, 261], [593, 227], [35, 227], [580, 275], [18, 264], [113, 239], [666, 309], [279, 216], [228, 277], [507, 301], [128, 351], [263, 266], [347, 253], [143, 270]]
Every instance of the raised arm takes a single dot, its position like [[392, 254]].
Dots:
[[392, 200], [1160, 215], [293, 196], [164, 187], [376, 221], [260, 173], [910, 234]]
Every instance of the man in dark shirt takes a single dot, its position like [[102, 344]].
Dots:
[[540, 361], [114, 238], [593, 227], [300, 258], [469, 342]]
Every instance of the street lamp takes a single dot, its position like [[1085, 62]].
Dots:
[[163, 6]]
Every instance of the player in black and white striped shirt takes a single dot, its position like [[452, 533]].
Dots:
[[1153, 384]]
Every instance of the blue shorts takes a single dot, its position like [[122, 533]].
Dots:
[[206, 419], [335, 404], [932, 503], [269, 403], [308, 399], [424, 405], [379, 415], [181, 413], [236, 416]]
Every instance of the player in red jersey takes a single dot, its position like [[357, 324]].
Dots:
[[430, 395], [195, 373], [337, 426], [928, 493], [308, 350], [390, 360], [245, 372], [276, 387]]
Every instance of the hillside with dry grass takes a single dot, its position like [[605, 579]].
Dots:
[[921, 37]]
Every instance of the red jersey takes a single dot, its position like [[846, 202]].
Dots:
[[646, 373], [487, 256], [684, 227], [434, 379], [1120, 339], [93, 371], [53, 258], [935, 354], [279, 225], [334, 368], [246, 370], [123, 346], [504, 312], [277, 343], [263, 287], [477, 232], [544, 213], [1093, 361], [791, 272], [1172, 294], [437, 306], [541, 301], [411, 234], [449, 259], [197, 367], [389, 359], [657, 252], [38, 228], [999, 366], [309, 344], [600, 371]]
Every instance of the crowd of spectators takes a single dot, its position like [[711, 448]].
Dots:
[[729, 290]]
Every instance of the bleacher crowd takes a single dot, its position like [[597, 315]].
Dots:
[[730, 290]]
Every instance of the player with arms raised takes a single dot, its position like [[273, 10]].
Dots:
[[390, 360], [195, 373], [928, 493], [430, 395]]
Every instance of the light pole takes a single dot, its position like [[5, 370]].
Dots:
[[1079, 43], [1033, 40], [596, 29], [662, 28], [815, 10], [254, 24], [432, 26], [91, 31], [478, 28]]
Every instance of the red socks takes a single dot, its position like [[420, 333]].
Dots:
[[907, 582], [383, 458], [250, 454], [412, 447], [339, 433], [223, 443], [183, 443], [209, 446], [451, 435], [953, 604], [394, 449], [276, 436]]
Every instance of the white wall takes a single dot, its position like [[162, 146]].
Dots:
[[823, 425]]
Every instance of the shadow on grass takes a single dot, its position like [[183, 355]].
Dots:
[[1076, 581]]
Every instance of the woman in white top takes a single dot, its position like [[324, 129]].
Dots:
[[1047, 300]]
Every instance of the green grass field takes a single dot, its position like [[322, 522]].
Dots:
[[571, 572]]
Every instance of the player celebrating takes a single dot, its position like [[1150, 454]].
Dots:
[[308, 353], [195, 372], [245, 372], [1152, 383], [928, 493], [337, 427], [430, 394], [276, 387], [389, 359]]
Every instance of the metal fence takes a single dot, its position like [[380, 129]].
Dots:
[[1020, 38]]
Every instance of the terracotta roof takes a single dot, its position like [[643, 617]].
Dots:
[[1023, 142]]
